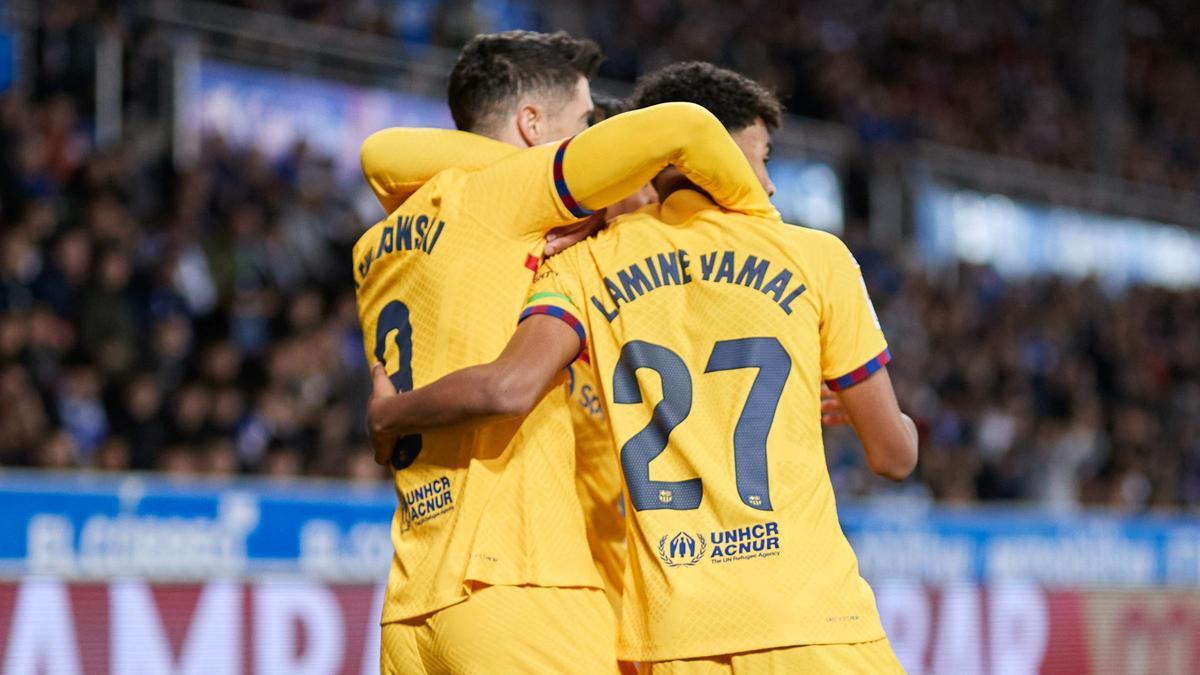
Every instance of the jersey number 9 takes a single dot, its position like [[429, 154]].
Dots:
[[394, 317]]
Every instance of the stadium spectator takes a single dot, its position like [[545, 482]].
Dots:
[[1004, 77]]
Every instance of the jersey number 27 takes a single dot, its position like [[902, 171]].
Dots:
[[749, 438]]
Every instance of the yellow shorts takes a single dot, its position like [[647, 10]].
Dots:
[[507, 629], [863, 658]]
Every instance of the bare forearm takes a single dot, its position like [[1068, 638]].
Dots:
[[911, 428], [510, 386], [462, 396], [889, 437], [893, 458]]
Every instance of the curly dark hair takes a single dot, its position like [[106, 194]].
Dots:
[[735, 99], [495, 69]]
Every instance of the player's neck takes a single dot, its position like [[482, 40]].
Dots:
[[669, 182]]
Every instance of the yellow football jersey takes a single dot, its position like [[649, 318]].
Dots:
[[394, 178], [597, 477], [711, 333], [439, 283]]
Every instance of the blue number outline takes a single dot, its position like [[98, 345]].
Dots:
[[749, 437], [637, 453], [758, 414]]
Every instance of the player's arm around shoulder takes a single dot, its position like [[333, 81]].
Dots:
[[546, 341], [613, 159], [397, 161]]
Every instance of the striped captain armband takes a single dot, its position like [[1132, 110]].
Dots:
[[861, 373], [560, 184], [551, 304]]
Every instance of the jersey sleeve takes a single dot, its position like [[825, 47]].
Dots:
[[552, 185], [552, 294], [852, 343], [398, 161]]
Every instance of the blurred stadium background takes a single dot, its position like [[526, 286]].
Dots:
[[186, 488]]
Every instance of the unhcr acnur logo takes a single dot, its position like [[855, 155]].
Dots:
[[683, 549]]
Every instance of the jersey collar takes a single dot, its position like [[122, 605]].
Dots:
[[683, 204]]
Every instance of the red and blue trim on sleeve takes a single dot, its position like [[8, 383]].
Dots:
[[561, 314], [861, 373], [560, 184]]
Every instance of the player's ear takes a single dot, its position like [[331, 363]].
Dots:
[[531, 124]]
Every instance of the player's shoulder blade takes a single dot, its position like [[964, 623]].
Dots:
[[818, 241]]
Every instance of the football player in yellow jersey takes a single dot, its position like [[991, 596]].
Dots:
[[491, 553], [712, 333], [394, 171]]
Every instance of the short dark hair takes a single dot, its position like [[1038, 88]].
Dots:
[[494, 69], [733, 98]]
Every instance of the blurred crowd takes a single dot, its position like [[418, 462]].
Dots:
[[1015, 78], [201, 320], [1045, 390], [195, 321]]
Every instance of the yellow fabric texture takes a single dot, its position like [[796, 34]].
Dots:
[[439, 284], [506, 629], [866, 658], [711, 333], [394, 178], [598, 479]]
